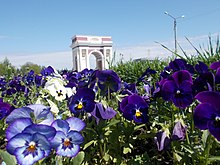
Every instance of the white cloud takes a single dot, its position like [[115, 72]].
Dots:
[[59, 60]]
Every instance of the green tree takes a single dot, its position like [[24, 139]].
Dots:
[[30, 66], [7, 69]]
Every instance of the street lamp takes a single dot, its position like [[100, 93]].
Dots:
[[174, 27]]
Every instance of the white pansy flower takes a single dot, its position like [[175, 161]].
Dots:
[[55, 86]]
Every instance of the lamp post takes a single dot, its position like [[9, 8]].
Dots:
[[174, 27]]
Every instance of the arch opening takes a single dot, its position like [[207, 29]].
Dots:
[[96, 60]]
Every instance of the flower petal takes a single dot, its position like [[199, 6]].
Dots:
[[181, 76], [209, 97], [17, 127], [23, 112], [168, 89], [58, 139], [214, 130], [76, 124], [61, 125], [45, 130], [27, 159], [17, 141], [76, 137], [69, 152], [203, 113], [215, 65]]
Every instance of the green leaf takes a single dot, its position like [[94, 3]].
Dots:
[[7, 158], [177, 157], [89, 144], [214, 158], [78, 159], [126, 150], [205, 135], [113, 122], [139, 126], [106, 157]]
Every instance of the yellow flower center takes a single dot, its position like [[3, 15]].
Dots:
[[138, 113], [80, 105], [66, 143], [31, 147]]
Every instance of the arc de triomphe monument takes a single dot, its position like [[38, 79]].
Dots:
[[84, 46]]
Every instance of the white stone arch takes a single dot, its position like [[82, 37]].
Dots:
[[85, 46]]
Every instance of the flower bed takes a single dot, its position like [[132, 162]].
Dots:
[[169, 116]]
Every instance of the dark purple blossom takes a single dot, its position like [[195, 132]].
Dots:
[[129, 89], [83, 100], [180, 64], [178, 89], [216, 66], [204, 82], [134, 107], [5, 109], [205, 79], [108, 81], [148, 72], [102, 113], [48, 71], [201, 67], [207, 113]]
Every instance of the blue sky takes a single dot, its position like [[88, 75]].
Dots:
[[40, 31]]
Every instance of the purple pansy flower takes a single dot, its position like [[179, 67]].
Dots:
[[180, 64], [178, 89], [100, 112], [129, 89], [5, 109], [83, 100], [108, 81], [216, 66], [179, 131], [207, 113], [48, 71], [162, 140], [31, 145], [146, 75], [134, 107], [204, 81], [68, 138]]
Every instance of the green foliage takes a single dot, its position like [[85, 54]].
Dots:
[[130, 71], [30, 66], [7, 69]]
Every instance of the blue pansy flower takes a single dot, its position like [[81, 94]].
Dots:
[[68, 138], [37, 112], [32, 144]]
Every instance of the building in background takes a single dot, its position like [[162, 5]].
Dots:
[[83, 47]]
